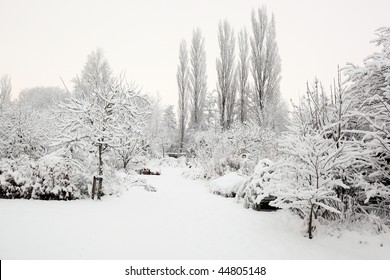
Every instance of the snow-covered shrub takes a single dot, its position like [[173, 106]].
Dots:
[[172, 162], [254, 141], [247, 166], [309, 182], [123, 181], [228, 184], [194, 173], [141, 182], [182, 162], [51, 178], [236, 149], [258, 186], [212, 151], [137, 162], [325, 166], [13, 180]]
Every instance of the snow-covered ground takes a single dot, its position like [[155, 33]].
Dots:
[[182, 220]]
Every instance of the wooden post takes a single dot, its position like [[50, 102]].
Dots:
[[93, 187], [99, 188]]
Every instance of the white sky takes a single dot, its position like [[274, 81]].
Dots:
[[43, 40]]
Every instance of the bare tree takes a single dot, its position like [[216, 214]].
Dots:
[[266, 69], [5, 89], [198, 78], [182, 77], [226, 85], [243, 73]]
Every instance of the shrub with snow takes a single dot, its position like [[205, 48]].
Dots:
[[194, 173], [172, 162], [258, 186], [13, 182], [122, 181], [228, 184], [51, 178], [236, 149]]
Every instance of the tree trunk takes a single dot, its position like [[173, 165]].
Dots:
[[223, 116], [310, 228], [99, 188], [93, 187], [242, 118], [99, 178], [100, 160], [125, 163]]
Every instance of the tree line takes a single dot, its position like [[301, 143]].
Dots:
[[248, 83]]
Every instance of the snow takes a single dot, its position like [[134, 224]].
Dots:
[[194, 173], [182, 220], [228, 184]]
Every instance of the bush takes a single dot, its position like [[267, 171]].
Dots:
[[194, 173], [227, 185], [51, 178], [257, 191], [236, 149]]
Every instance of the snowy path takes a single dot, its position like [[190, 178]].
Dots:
[[182, 220]]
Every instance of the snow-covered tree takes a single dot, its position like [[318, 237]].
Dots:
[[369, 93], [242, 75], [42, 97], [309, 174], [105, 114], [156, 129], [323, 174], [318, 167], [182, 77], [265, 60], [211, 119], [255, 141], [95, 76], [5, 89], [114, 120], [227, 82], [169, 124], [22, 131], [198, 78], [313, 111], [132, 136]]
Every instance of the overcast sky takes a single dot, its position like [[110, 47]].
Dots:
[[43, 40]]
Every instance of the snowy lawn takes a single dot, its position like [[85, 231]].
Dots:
[[182, 220]]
